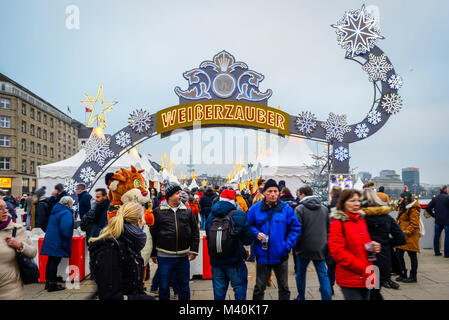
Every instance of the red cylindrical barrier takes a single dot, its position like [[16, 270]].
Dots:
[[207, 268]]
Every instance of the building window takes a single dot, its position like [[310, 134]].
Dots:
[[45, 119], [64, 148], [59, 147], [70, 150], [32, 167], [5, 103], [24, 166], [3, 87], [24, 126], [38, 148], [51, 137], [38, 116], [24, 145], [44, 136], [5, 122], [32, 113], [52, 154], [32, 146], [25, 185], [51, 122], [4, 163], [38, 132], [33, 185], [73, 140], [5, 141], [32, 129], [45, 150], [24, 108], [64, 136]]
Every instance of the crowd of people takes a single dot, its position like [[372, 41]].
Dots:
[[352, 241]]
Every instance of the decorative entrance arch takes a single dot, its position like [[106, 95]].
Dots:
[[225, 92]]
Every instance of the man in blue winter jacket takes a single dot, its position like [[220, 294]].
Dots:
[[231, 268], [276, 227]]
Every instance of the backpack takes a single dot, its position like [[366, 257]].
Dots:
[[221, 240], [87, 221]]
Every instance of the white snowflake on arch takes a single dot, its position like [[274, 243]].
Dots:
[[374, 117], [123, 139], [306, 122], [361, 131], [336, 127], [391, 103], [377, 67], [87, 174], [341, 153], [98, 150], [357, 32], [140, 121], [395, 81], [70, 185]]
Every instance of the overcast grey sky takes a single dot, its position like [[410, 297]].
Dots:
[[138, 51]]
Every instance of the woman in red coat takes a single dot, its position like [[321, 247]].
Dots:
[[349, 243]]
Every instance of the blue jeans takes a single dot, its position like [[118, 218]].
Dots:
[[203, 221], [436, 240], [321, 270], [156, 282], [237, 275], [180, 268]]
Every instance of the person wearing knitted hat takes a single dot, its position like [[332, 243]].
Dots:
[[176, 238], [408, 219], [276, 227], [228, 260]]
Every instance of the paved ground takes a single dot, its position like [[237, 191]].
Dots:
[[433, 284]]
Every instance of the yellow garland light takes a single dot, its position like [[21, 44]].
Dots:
[[90, 104]]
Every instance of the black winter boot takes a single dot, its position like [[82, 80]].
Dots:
[[402, 276], [53, 286], [412, 277]]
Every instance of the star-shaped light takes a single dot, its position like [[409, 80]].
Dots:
[[357, 32], [90, 106]]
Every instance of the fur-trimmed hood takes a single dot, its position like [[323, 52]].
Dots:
[[377, 210], [340, 215]]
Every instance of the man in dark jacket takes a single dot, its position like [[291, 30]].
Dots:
[[438, 208], [205, 204], [42, 214], [176, 240], [56, 196], [311, 244], [83, 199], [231, 268], [276, 228]]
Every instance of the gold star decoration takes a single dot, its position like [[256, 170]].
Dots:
[[193, 175], [90, 106]]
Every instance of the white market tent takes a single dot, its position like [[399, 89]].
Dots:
[[193, 184], [359, 184], [288, 164], [51, 174]]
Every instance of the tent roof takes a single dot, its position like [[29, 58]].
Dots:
[[294, 153]]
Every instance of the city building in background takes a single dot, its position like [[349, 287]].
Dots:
[[386, 173], [410, 177], [32, 133], [391, 182], [364, 176]]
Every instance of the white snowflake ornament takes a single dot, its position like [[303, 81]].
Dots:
[[140, 121], [377, 67], [306, 122], [374, 117], [123, 139], [391, 103], [336, 127], [357, 32], [361, 131], [87, 174], [98, 150], [395, 81], [341, 153], [69, 186]]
